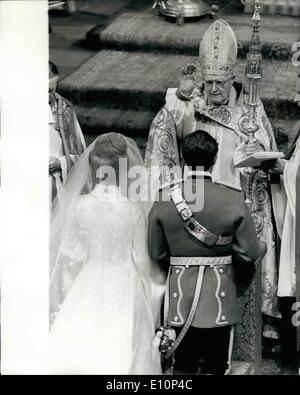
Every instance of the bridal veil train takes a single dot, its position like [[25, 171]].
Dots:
[[102, 316]]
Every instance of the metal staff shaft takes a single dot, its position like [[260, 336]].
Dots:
[[253, 73]]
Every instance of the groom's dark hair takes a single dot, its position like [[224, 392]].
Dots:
[[199, 149]]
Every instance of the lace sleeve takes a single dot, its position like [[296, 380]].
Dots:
[[71, 257], [73, 254]]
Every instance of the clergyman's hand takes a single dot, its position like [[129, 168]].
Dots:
[[278, 167], [252, 146], [54, 165], [187, 81]]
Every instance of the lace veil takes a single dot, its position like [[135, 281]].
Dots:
[[66, 260]]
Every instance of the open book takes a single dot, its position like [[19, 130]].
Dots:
[[258, 158]]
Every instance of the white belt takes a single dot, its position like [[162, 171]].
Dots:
[[200, 260]]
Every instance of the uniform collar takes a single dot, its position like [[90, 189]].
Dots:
[[196, 173]]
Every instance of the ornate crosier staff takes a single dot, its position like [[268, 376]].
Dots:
[[253, 73]]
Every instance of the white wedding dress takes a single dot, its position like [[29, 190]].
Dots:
[[105, 322]]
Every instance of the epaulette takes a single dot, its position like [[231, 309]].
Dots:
[[230, 186]]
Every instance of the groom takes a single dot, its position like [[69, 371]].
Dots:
[[203, 251]]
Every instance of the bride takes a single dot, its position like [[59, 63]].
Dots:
[[101, 278]]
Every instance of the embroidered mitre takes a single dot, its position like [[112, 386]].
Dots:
[[218, 49]]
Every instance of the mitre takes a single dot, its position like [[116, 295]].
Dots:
[[218, 49]]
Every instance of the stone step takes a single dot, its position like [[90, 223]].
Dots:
[[136, 124], [144, 31], [96, 121], [138, 81]]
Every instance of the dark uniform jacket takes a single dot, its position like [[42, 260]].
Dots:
[[224, 213]]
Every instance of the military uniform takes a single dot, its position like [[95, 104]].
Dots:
[[226, 216]]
